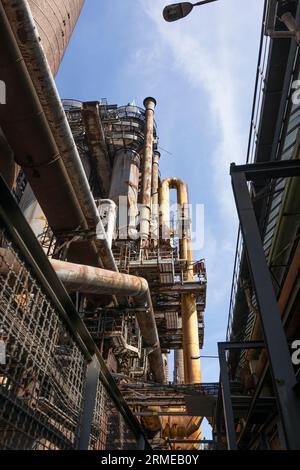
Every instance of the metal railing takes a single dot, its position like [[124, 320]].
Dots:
[[55, 389]]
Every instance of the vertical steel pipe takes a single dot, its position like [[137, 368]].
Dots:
[[178, 366], [155, 198], [145, 213], [190, 328]]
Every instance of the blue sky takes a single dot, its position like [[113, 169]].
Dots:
[[201, 70]]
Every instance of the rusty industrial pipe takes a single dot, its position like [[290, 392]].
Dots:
[[55, 24], [155, 198], [90, 280], [178, 375], [145, 213], [27, 132], [56, 175], [28, 40], [190, 329]]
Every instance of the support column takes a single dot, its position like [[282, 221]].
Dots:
[[282, 372], [192, 371], [89, 402], [227, 401], [178, 366]]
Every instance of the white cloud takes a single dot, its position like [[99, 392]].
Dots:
[[214, 53], [209, 51]]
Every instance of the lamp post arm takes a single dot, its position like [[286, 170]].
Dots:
[[203, 2]]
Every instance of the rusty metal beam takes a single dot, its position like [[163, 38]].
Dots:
[[185, 288]]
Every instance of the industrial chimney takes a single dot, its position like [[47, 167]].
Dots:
[[55, 22]]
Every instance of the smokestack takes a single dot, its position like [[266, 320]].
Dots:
[[55, 23], [155, 198], [145, 215]]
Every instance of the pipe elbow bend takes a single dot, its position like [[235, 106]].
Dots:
[[173, 183], [144, 288]]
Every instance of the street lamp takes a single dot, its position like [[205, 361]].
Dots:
[[176, 11]]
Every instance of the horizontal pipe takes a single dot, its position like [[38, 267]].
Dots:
[[90, 280]]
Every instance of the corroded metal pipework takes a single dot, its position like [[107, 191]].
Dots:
[[50, 159], [155, 198], [23, 27], [21, 118], [145, 213], [191, 349], [178, 376], [90, 280], [55, 22]]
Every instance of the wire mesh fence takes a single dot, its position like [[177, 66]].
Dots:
[[43, 370], [109, 430], [42, 375]]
